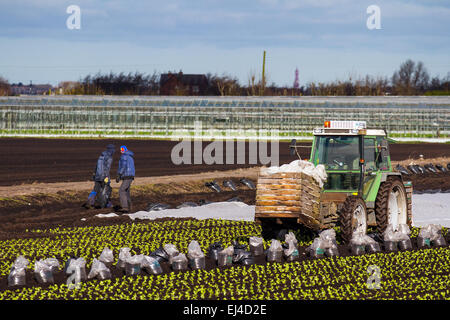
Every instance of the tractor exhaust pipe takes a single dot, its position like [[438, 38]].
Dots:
[[362, 166], [293, 148]]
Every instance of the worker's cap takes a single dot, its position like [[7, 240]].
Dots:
[[123, 149]]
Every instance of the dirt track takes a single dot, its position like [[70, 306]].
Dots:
[[55, 187], [26, 161]]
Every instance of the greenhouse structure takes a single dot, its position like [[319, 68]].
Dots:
[[176, 116]]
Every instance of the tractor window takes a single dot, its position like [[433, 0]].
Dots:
[[383, 156], [337, 152], [369, 153]]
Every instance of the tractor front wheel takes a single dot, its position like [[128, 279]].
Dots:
[[353, 217]]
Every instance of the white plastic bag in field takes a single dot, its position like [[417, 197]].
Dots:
[[275, 246], [179, 262], [171, 250], [431, 231], [99, 269], [255, 241], [290, 237], [317, 247], [133, 265], [328, 238], [21, 262], [361, 239], [291, 248], [17, 275], [396, 235], [124, 254], [403, 231], [136, 259], [43, 272], [77, 267], [228, 251], [106, 256], [52, 263], [181, 257], [151, 264], [194, 250]]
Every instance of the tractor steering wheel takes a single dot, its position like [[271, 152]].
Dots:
[[339, 162], [336, 163]]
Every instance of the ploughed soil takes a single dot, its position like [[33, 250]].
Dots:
[[430, 182], [29, 160]]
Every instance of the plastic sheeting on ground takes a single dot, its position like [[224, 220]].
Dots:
[[427, 208], [431, 208], [216, 210]]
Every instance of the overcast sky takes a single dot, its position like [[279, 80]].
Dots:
[[325, 39]]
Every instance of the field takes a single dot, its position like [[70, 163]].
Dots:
[[416, 274], [48, 224]]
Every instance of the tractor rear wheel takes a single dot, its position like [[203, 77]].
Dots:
[[353, 217], [391, 205]]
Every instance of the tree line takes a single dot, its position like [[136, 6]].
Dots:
[[412, 78]]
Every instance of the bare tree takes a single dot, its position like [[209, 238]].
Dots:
[[252, 84], [5, 88], [411, 78], [226, 85]]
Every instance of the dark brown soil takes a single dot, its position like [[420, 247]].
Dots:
[[28, 160], [430, 181]]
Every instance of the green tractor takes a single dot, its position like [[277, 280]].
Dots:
[[361, 189]]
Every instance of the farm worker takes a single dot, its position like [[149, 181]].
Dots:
[[101, 174], [125, 173]]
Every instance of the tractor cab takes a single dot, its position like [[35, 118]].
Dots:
[[352, 155]]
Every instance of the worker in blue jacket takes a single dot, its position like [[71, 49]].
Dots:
[[126, 173], [101, 176]]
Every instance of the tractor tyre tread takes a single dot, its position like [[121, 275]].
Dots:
[[381, 204], [346, 216]]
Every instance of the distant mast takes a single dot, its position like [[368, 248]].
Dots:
[[296, 82]]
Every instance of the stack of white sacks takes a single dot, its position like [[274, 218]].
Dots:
[[317, 172]]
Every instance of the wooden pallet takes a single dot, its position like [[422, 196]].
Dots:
[[288, 195]]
